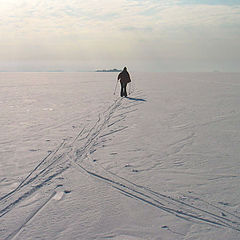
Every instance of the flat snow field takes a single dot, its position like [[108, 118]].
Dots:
[[77, 162]]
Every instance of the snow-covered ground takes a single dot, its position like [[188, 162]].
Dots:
[[77, 162]]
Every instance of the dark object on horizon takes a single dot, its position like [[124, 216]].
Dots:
[[124, 78], [110, 70]]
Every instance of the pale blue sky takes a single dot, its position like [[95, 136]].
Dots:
[[210, 2], [145, 35]]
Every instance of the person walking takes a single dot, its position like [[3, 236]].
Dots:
[[124, 78]]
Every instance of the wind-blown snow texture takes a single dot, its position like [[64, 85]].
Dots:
[[77, 162]]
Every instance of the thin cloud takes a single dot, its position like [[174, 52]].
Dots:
[[108, 29]]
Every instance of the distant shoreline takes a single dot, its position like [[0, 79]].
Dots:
[[58, 71], [109, 70]]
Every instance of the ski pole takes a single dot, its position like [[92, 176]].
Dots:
[[115, 87], [130, 88]]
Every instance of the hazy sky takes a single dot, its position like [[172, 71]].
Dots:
[[146, 35]]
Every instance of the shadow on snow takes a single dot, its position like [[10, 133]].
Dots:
[[137, 99]]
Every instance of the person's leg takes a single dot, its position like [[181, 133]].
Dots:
[[122, 90], [125, 90]]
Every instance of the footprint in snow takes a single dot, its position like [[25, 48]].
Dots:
[[60, 178], [128, 165], [164, 227], [224, 203], [67, 191], [114, 153], [58, 196]]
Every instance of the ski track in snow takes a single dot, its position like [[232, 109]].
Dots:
[[77, 153], [30, 217]]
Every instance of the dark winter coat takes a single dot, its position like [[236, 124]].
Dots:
[[124, 77]]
